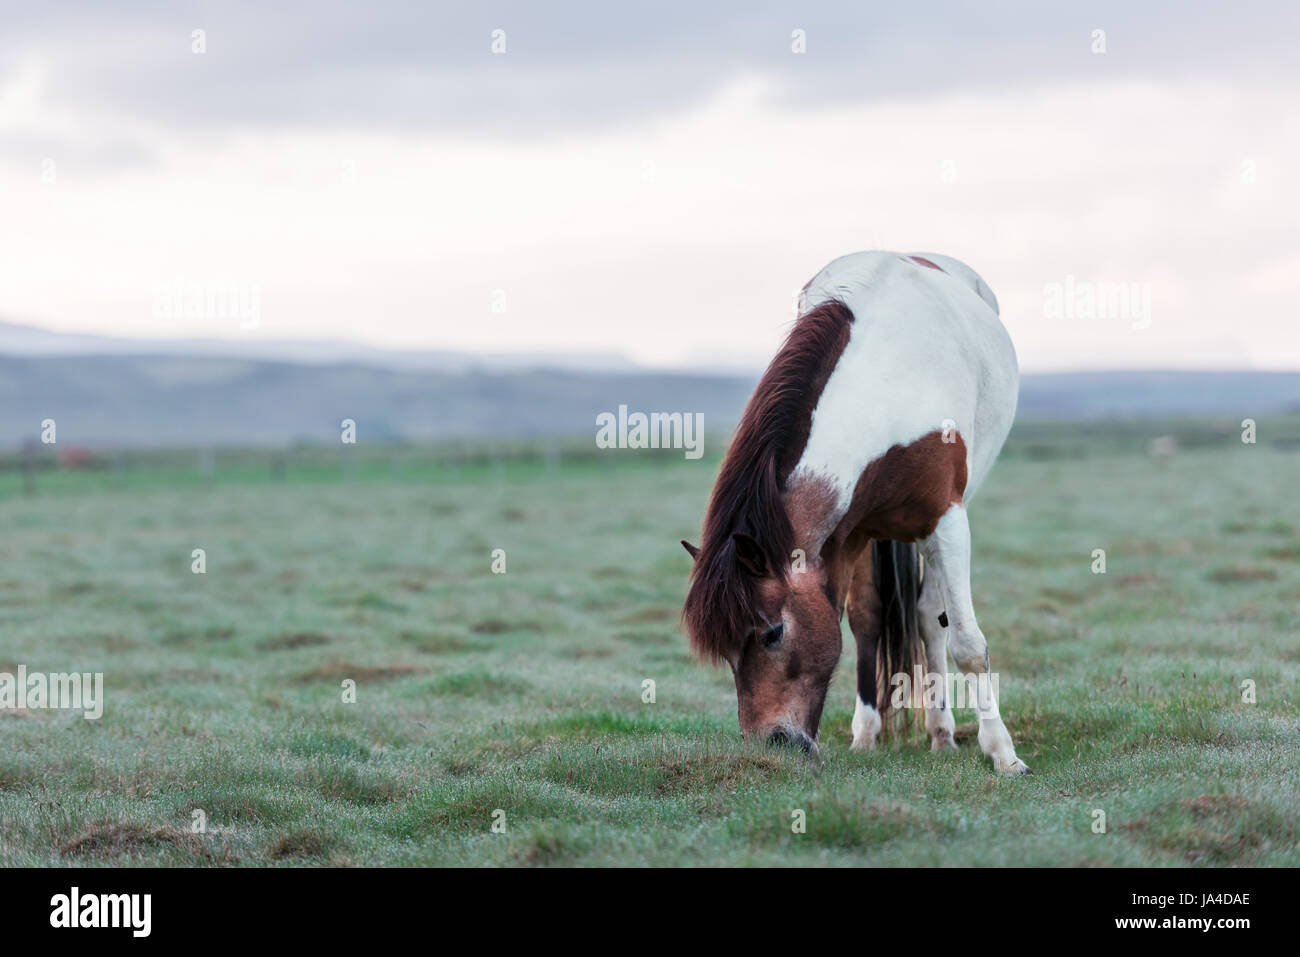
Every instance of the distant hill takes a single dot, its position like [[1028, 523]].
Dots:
[[102, 393], [1157, 394], [31, 342], [149, 400]]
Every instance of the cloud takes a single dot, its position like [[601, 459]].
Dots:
[[394, 65]]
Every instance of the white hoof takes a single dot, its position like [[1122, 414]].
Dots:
[[866, 727], [1011, 768]]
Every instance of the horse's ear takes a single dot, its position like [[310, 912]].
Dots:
[[690, 549], [750, 555]]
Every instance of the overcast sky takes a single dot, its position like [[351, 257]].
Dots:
[[655, 182]]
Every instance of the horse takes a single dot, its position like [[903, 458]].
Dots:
[[845, 486]]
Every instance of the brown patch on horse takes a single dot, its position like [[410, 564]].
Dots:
[[899, 497], [902, 495], [746, 499], [925, 262]]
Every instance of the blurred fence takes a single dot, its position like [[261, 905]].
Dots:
[[33, 466]]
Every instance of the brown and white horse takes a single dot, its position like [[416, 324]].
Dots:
[[845, 486]]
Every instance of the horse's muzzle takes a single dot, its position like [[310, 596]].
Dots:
[[789, 738]]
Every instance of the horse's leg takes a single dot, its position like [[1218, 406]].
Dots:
[[931, 618], [864, 620], [948, 551]]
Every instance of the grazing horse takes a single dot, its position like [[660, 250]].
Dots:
[[845, 486]]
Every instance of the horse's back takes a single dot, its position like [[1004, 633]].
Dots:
[[959, 270], [855, 274], [927, 353]]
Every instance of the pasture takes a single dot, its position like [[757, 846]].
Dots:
[[522, 692]]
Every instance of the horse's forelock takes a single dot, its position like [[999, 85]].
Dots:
[[719, 605]]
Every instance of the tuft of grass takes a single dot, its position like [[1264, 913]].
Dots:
[[339, 671], [299, 844], [110, 840], [1242, 573], [479, 683], [292, 640]]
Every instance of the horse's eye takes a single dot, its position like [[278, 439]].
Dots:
[[772, 637]]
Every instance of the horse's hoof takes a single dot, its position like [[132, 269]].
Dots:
[[946, 743], [1015, 768]]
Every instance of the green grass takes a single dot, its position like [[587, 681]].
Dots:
[[521, 692]]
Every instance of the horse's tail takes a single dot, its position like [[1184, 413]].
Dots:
[[896, 574]]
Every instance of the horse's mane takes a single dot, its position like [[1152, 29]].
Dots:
[[747, 496]]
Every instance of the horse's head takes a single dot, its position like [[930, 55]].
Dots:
[[777, 629]]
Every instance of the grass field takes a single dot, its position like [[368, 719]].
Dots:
[[522, 692]]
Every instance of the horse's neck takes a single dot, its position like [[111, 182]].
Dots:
[[815, 511]]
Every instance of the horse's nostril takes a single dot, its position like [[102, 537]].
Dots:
[[783, 737]]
